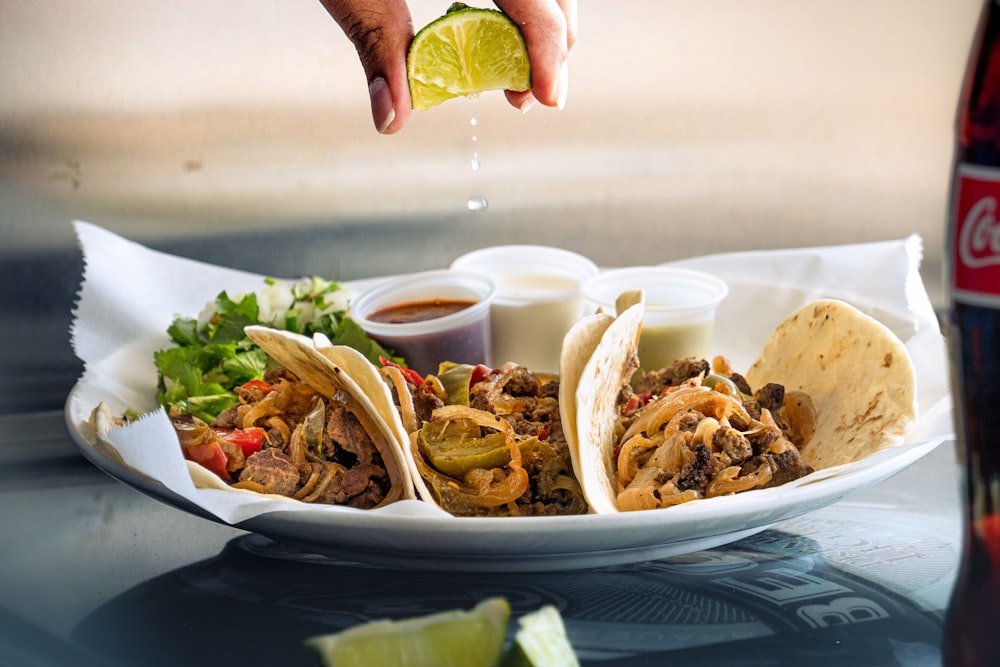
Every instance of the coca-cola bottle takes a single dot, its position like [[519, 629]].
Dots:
[[972, 628]]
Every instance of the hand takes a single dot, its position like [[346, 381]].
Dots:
[[381, 31]]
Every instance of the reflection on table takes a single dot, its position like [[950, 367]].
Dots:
[[831, 590]]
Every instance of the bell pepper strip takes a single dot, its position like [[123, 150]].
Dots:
[[634, 402], [263, 386], [409, 374], [479, 373]]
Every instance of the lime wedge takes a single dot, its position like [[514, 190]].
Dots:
[[541, 641], [465, 52], [458, 638]]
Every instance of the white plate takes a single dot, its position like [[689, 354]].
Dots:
[[534, 543], [130, 294]]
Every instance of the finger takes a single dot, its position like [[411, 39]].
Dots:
[[523, 100], [381, 33], [572, 22], [550, 31]]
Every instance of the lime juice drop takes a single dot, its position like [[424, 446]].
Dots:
[[476, 203]]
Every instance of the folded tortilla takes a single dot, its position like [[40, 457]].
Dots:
[[856, 371], [328, 374], [442, 482]]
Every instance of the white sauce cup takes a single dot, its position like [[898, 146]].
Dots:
[[680, 307], [538, 299]]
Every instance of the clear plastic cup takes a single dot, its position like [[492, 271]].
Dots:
[[679, 314], [430, 317], [537, 301]]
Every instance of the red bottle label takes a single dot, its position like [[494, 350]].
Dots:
[[975, 242]]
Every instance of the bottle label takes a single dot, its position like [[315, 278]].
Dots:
[[975, 241]]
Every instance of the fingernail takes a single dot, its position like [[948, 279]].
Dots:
[[526, 105], [562, 86], [383, 112]]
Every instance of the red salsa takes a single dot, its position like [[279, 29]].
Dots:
[[420, 311]]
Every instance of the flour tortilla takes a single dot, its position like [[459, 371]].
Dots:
[[857, 372], [608, 368], [577, 348], [328, 373], [366, 375], [364, 372]]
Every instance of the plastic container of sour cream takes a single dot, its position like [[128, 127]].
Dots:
[[538, 299]]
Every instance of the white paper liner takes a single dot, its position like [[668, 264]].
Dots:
[[130, 294]]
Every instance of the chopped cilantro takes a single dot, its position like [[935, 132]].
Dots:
[[210, 360]]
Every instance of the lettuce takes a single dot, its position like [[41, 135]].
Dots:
[[210, 359]]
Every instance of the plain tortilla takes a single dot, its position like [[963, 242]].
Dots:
[[377, 390], [300, 355], [609, 368], [364, 373], [577, 348], [857, 372]]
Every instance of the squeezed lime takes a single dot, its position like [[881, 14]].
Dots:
[[465, 52]]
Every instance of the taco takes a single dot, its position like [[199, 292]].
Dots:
[[479, 441], [307, 430], [697, 430]]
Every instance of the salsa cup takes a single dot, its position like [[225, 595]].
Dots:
[[430, 317]]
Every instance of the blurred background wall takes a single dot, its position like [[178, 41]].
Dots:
[[238, 131]]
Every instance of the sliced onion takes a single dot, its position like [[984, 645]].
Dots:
[[515, 482], [493, 384], [641, 494], [627, 469], [273, 403], [727, 481], [686, 397], [406, 409]]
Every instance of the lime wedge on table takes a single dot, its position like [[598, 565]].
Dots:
[[465, 52], [541, 641], [458, 638]]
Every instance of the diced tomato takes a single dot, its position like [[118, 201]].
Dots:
[[409, 374], [258, 384], [543, 434], [209, 455], [635, 401], [631, 404], [479, 373], [250, 440]]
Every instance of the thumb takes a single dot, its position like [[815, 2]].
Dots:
[[381, 32]]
